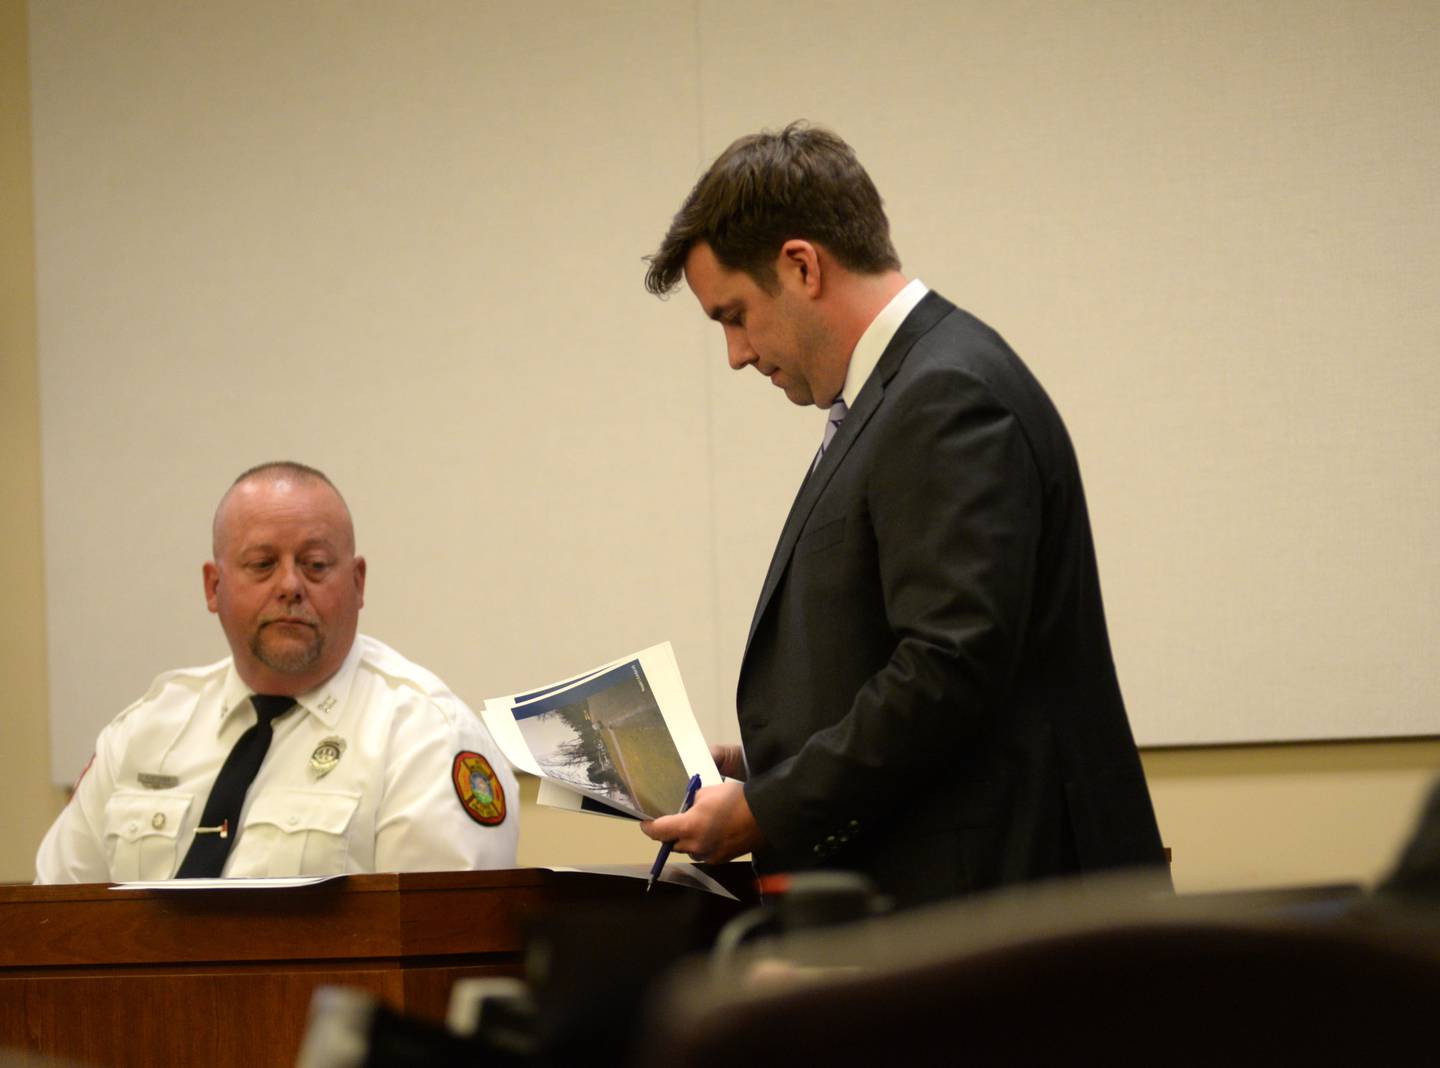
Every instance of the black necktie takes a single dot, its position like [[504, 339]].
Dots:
[[221, 820]]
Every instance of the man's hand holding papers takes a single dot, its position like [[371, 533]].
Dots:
[[730, 759], [718, 827]]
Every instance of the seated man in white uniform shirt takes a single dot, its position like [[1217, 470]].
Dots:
[[376, 766]]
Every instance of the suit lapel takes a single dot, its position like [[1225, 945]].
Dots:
[[926, 314]]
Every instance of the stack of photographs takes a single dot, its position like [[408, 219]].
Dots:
[[618, 740]]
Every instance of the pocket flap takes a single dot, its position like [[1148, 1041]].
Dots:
[[135, 814], [822, 536], [294, 811]]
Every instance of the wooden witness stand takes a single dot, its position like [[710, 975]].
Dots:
[[110, 977]]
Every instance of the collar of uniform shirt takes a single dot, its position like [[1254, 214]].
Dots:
[[877, 336], [324, 701]]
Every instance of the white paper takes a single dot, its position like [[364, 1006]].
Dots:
[[227, 884], [552, 795], [623, 734]]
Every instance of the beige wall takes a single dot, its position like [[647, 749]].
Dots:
[[1253, 816], [1235, 817], [26, 797], [404, 243]]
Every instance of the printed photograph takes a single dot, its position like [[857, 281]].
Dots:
[[607, 738]]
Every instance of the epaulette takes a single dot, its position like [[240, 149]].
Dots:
[[184, 676]]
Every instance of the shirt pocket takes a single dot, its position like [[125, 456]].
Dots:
[[296, 832], [140, 833]]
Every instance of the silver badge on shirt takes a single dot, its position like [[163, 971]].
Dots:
[[327, 754], [151, 781]]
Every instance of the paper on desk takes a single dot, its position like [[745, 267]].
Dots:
[[227, 884], [622, 734]]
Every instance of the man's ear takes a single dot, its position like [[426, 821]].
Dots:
[[360, 579], [801, 260], [212, 586]]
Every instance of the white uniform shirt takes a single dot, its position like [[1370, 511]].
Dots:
[[419, 784]]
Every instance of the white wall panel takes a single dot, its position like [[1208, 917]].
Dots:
[[403, 242]]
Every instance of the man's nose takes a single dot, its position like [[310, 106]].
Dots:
[[741, 354], [288, 584]]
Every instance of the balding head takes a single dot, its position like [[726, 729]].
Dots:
[[285, 580], [276, 471]]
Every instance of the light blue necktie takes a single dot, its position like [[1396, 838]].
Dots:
[[838, 412]]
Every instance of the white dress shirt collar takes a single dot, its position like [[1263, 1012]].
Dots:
[[325, 701], [877, 336]]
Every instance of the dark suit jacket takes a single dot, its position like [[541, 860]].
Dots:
[[927, 694]]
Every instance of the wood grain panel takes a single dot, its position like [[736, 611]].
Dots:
[[221, 978]]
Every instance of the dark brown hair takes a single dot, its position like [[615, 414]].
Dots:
[[765, 189]]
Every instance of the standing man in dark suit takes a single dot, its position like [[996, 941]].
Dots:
[[927, 695]]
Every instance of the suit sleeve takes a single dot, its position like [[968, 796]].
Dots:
[[954, 501], [451, 802]]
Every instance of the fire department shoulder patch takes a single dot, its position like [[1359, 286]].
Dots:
[[478, 788]]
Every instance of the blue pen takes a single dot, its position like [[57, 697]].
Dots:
[[665, 847]]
